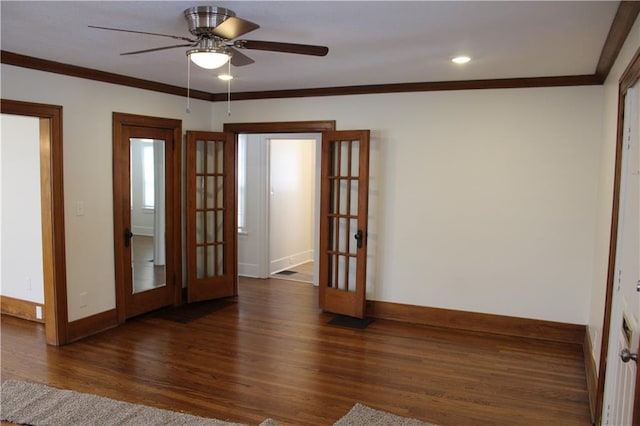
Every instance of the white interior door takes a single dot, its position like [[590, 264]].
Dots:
[[625, 316]]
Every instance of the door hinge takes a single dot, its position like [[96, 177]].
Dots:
[[619, 280]]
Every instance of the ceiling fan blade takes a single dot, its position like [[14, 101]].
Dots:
[[156, 49], [274, 46], [144, 32], [233, 27], [239, 59]]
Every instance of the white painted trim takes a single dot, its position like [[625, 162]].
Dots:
[[146, 231], [251, 270], [292, 261]]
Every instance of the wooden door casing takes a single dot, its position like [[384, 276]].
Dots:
[[52, 211]]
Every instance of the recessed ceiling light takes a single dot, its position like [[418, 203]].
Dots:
[[461, 59], [225, 77]]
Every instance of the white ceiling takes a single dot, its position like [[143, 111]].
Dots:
[[380, 42]]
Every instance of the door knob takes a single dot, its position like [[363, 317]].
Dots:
[[358, 236], [627, 356], [127, 237]]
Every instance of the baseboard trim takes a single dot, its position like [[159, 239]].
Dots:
[[591, 374], [250, 270], [291, 261], [473, 321], [21, 308], [93, 324]]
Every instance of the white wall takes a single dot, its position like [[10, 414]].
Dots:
[[291, 202], [87, 121], [481, 201], [21, 275], [605, 188]]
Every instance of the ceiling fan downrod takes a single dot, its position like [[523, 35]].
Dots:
[[203, 19]]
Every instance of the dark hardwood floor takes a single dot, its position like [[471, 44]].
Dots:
[[270, 353]]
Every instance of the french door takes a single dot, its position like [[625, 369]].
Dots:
[[343, 222], [212, 227]]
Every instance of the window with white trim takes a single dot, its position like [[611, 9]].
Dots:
[[148, 191]]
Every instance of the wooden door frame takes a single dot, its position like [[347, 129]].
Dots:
[[52, 211], [630, 77], [174, 254], [272, 127], [281, 127]]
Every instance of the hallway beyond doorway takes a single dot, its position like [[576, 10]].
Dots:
[[301, 273]]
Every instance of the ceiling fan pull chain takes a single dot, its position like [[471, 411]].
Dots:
[[229, 90], [188, 85]]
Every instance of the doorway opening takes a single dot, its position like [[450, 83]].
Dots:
[[343, 208], [278, 199], [52, 214], [279, 128]]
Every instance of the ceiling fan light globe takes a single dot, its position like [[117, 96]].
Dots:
[[208, 60]]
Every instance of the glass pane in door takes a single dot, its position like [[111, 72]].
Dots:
[[210, 208], [148, 249], [343, 222]]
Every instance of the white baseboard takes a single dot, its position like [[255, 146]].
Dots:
[[146, 231], [291, 261], [248, 270]]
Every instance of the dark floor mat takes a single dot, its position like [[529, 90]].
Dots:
[[192, 311], [350, 322], [286, 273]]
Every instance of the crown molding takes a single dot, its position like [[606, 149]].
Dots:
[[429, 86], [16, 59], [620, 28]]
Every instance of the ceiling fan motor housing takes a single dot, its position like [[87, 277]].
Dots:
[[203, 19]]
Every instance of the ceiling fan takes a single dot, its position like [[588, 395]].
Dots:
[[214, 30]]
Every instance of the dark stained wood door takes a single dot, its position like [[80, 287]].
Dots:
[[343, 222], [211, 216], [161, 292]]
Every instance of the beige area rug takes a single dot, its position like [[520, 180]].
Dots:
[[35, 404], [361, 415]]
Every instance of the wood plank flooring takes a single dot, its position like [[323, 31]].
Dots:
[[271, 354]]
